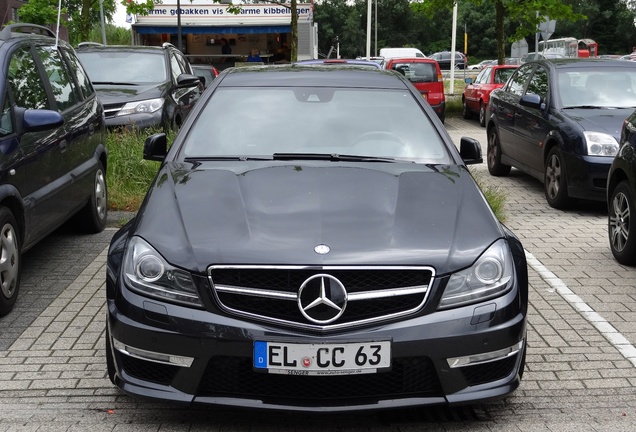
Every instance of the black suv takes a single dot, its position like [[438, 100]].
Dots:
[[444, 60], [52, 147], [141, 86]]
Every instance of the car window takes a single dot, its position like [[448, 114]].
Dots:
[[518, 80], [417, 72], [83, 81], [124, 66], [25, 81], [360, 122], [597, 87], [482, 77], [175, 67], [59, 77], [538, 85], [6, 120], [502, 75]]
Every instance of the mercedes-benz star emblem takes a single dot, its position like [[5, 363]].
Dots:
[[322, 299], [322, 249]]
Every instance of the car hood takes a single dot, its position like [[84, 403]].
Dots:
[[117, 93], [605, 120], [368, 214]]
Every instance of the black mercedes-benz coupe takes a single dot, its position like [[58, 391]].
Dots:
[[314, 241]]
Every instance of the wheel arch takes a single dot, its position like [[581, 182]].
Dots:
[[11, 198]]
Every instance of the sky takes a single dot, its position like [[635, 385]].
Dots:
[[119, 19]]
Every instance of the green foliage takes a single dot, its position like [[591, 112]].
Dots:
[[115, 35], [129, 175], [42, 12]]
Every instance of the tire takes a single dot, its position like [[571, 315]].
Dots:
[[10, 261], [493, 156], [92, 218], [555, 181], [465, 111], [622, 238], [482, 114]]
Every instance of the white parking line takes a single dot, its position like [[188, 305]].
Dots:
[[601, 324]]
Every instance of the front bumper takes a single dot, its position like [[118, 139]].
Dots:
[[169, 352], [136, 121], [587, 176]]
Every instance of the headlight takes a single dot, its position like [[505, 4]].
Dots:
[[600, 144], [146, 106], [148, 273], [490, 276]]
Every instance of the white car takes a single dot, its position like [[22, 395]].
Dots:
[[482, 64]]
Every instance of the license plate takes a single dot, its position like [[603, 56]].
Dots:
[[322, 359]]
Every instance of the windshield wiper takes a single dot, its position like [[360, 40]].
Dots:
[[113, 83], [334, 157], [225, 158], [584, 107]]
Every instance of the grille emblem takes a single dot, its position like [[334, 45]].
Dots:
[[322, 299], [322, 249]]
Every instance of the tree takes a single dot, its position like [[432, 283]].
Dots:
[[527, 15], [42, 12]]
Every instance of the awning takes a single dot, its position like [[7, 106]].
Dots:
[[212, 30]]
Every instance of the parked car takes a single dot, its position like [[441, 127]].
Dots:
[[621, 193], [476, 94], [206, 73], [341, 62], [482, 64], [559, 121], [351, 263], [388, 53], [141, 86], [513, 61], [52, 141], [426, 76], [541, 56], [444, 60]]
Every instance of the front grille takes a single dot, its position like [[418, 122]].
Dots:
[[148, 371], [111, 110], [234, 377], [271, 293], [488, 372]]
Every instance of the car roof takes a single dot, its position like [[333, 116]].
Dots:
[[26, 30], [93, 46], [578, 63], [359, 62], [412, 59], [298, 75]]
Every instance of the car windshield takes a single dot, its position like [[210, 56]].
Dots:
[[597, 87], [124, 66], [263, 121]]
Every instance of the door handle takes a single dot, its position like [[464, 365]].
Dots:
[[63, 146]]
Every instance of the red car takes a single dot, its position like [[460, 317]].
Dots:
[[426, 76], [476, 94]]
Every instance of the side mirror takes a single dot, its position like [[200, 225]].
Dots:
[[470, 150], [187, 80], [156, 147], [468, 80], [532, 101], [37, 120]]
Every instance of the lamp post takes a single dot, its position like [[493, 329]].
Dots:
[[179, 45]]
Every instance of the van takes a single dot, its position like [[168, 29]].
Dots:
[[426, 76], [400, 52]]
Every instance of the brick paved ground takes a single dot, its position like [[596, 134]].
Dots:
[[580, 372]]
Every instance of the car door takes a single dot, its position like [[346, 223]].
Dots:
[[38, 175], [532, 124], [472, 91], [505, 107]]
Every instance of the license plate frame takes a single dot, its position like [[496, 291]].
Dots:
[[321, 359]]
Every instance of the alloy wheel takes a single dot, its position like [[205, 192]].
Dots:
[[619, 220], [9, 257]]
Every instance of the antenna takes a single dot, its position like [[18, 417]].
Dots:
[[57, 30]]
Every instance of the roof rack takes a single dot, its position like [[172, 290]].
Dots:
[[81, 44], [25, 28]]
